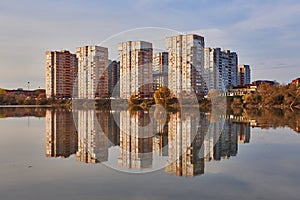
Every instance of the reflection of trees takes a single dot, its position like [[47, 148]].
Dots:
[[267, 118], [22, 112]]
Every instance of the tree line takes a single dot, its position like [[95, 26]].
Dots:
[[22, 99], [280, 96]]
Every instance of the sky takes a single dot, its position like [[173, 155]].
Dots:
[[264, 33]]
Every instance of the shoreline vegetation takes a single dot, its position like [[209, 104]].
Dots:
[[265, 97], [255, 117]]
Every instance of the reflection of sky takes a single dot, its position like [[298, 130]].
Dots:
[[267, 168]]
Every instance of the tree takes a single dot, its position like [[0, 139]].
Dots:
[[2, 94], [265, 90], [29, 101], [237, 102], [162, 96], [291, 96], [20, 99], [134, 100], [252, 98], [2, 91], [41, 99]]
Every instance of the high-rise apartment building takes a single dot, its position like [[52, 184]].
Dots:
[[61, 72], [185, 64], [244, 75], [160, 69], [114, 78], [135, 69], [92, 72], [220, 69]]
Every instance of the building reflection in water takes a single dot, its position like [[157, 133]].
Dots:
[[136, 132], [61, 134], [187, 140], [92, 141], [97, 131]]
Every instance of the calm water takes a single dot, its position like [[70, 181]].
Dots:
[[128, 154]]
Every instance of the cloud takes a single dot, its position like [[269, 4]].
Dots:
[[268, 35], [260, 31]]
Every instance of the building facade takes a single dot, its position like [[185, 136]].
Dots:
[[244, 75], [135, 69], [220, 69], [160, 69], [61, 72], [185, 64], [92, 72], [114, 78]]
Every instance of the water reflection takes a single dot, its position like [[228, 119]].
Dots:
[[139, 139], [185, 141], [61, 134], [135, 140]]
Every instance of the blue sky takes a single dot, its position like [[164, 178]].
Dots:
[[263, 33]]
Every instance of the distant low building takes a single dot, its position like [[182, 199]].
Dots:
[[31, 93], [259, 82], [241, 90], [296, 82]]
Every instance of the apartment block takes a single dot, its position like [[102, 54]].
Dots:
[[220, 69], [61, 73], [135, 69], [160, 69], [92, 72], [244, 75], [185, 64], [114, 78]]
